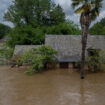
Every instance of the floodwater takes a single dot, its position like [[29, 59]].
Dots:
[[53, 87]]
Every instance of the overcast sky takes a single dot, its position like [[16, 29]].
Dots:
[[66, 4]]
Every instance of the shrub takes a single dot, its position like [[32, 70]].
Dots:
[[6, 52], [39, 57], [96, 61]]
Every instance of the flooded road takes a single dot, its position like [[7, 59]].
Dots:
[[55, 87]]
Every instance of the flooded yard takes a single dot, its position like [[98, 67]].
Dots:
[[53, 87]]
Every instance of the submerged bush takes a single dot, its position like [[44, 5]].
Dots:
[[38, 58], [96, 60], [5, 54]]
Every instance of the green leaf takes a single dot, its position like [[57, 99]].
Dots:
[[79, 10]]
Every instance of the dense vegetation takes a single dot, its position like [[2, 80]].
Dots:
[[96, 60], [33, 19], [4, 30], [98, 28], [35, 13], [29, 35], [38, 58]]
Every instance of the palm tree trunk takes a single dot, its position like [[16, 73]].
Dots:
[[85, 22], [84, 43]]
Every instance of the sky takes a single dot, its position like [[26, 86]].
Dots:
[[66, 5]]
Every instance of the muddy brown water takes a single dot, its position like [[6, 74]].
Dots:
[[54, 87]]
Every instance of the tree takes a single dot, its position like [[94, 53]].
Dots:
[[98, 28], [66, 28], [102, 22], [26, 35], [89, 10], [57, 15], [4, 29], [28, 17], [34, 12]]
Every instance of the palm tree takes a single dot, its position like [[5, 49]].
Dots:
[[89, 10]]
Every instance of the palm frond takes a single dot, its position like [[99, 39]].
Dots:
[[92, 7], [94, 13], [79, 10], [85, 8], [97, 3]]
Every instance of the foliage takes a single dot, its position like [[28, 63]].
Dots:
[[91, 7], [57, 15], [39, 57], [67, 28], [6, 52], [98, 28], [29, 71], [4, 30], [33, 19], [96, 61], [26, 35], [16, 59], [40, 12]]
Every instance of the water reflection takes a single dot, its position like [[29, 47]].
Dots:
[[82, 93]]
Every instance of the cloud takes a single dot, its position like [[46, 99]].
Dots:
[[4, 4], [66, 5]]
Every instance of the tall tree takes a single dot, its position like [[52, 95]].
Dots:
[[89, 10], [57, 15], [33, 12]]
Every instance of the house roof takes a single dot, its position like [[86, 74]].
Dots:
[[69, 46], [20, 49]]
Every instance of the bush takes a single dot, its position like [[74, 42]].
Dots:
[[96, 61], [39, 57], [6, 52]]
